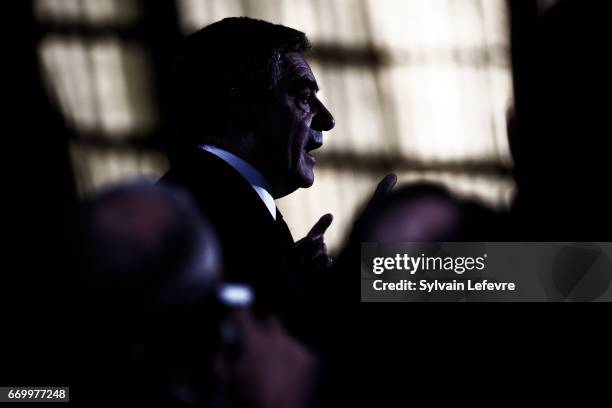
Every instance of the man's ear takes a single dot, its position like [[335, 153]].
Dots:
[[242, 110]]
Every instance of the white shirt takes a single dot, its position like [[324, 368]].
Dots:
[[250, 173]]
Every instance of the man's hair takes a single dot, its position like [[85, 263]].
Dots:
[[221, 67]]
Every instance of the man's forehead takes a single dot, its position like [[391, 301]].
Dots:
[[297, 69]]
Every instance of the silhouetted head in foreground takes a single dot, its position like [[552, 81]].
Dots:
[[243, 85], [422, 213], [154, 263], [560, 144], [419, 213], [150, 246]]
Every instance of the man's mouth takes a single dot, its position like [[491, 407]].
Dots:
[[310, 157], [309, 147]]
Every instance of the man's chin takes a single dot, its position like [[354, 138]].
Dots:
[[295, 183], [306, 179], [307, 184]]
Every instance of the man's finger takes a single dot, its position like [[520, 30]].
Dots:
[[385, 186], [321, 226], [306, 243]]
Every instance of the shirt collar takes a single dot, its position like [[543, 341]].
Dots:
[[250, 173]]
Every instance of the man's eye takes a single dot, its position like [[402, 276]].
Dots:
[[304, 101]]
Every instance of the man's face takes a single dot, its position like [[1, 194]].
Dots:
[[292, 127]]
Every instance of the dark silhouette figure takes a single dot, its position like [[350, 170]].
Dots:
[[559, 135], [152, 264], [247, 117]]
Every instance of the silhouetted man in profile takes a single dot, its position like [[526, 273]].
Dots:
[[247, 118]]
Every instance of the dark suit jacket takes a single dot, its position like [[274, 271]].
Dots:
[[257, 249]]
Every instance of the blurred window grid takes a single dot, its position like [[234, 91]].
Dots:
[[418, 87]]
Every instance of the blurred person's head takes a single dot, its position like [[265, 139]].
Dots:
[[154, 263], [414, 213], [150, 246], [425, 212], [244, 85]]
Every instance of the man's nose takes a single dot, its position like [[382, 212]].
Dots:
[[322, 121]]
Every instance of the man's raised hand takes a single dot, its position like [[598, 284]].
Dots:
[[312, 248]]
